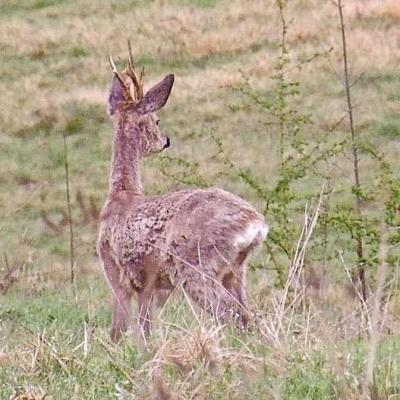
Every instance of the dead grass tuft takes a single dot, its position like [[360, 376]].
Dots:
[[9, 276], [190, 349], [31, 394]]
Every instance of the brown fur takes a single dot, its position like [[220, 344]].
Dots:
[[187, 238]]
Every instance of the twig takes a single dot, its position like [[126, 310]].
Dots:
[[363, 304], [298, 262], [68, 199], [357, 184], [284, 27], [375, 328], [308, 60]]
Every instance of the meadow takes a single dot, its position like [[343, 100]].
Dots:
[[258, 108]]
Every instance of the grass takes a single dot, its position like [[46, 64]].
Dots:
[[60, 347], [390, 127], [54, 78]]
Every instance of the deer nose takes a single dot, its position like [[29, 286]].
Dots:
[[167, 144]]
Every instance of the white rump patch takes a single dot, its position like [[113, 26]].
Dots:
[[254, 229]]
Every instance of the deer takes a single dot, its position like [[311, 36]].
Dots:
[[198, 240]]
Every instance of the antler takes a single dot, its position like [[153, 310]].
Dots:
[[130, 71], [137, 93], [118, 75]]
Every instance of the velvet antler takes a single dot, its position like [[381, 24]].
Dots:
[[134, 93]]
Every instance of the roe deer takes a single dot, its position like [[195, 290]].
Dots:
[[198, 239]]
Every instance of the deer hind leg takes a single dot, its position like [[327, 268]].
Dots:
[[122, 295], [234, 280], [149, 293], [209, 294], [145, 305]]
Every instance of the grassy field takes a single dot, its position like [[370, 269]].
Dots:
[[54, 80]]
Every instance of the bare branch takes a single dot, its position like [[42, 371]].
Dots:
[[357, 184], [68, 201]]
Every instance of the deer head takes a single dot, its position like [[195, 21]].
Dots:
[[133, 112]]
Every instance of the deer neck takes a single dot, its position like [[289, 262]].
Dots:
[[125, 171]]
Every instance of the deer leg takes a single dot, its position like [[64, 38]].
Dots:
[[234, 283], [162, 297], [121, 312], [146, 297], [122, 295], [210, 295], [145, 304]]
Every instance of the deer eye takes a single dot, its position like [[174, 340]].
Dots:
[[158, 122]]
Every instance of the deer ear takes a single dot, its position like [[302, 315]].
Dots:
[[117, 96], [156, 97]]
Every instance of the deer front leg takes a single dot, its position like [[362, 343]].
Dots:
[[122, 294], [121, 312]]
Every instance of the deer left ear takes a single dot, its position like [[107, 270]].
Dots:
[[116, 97], [156, 97]]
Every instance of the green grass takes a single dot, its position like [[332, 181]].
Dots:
[[59, 345], [54, 79], [390, 127], [201, 3]]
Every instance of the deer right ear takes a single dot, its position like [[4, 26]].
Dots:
[[156, 97], [117, 96]]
